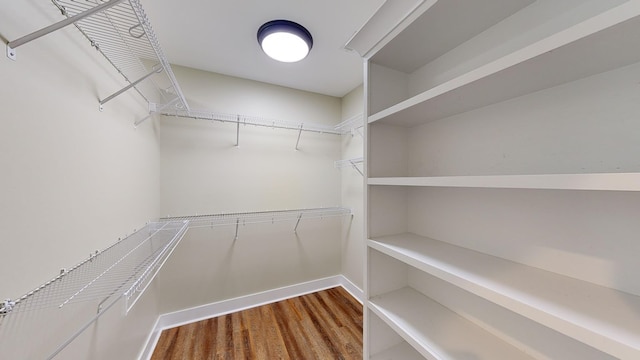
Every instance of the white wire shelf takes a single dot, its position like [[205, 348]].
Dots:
[[352, 163], [121, 32], [122, 270], [258, 217], [352, 125], [202, 114]]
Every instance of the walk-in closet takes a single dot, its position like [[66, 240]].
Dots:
[[416, 179]]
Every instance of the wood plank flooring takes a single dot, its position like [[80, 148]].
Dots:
[[323, 325]]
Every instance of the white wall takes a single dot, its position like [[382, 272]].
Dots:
[[203, 172], [352, 186], [73, 179]]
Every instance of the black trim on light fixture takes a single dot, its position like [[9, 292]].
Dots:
[[287, 26]]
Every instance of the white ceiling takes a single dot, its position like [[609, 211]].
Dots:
[[220, 36]]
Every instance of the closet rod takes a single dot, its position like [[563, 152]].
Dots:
[[260, 217], [12, 45], [250, 120]]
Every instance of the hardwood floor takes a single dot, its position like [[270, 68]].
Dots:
[[323, 325]]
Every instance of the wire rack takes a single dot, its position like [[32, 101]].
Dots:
[[122, 270], [250, 120], [351, 125], [258, 217], [78, 296], [123, 34]]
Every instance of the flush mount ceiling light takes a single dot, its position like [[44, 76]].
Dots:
[[284, 40]]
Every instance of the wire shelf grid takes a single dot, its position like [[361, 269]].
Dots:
[[78, 296], [124, 36], [119, 269], [258, 217], [350, 125], [250, 120]]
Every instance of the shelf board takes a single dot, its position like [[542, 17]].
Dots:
[[604, 318], [601, 43], [437, 332], [428, 28], [593, 181], [402, 351]]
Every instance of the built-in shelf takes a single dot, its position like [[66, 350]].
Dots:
[[525, 96], [437, 332], [402, 351], [597, 181], [603, 42], [605, 318], [398, 50]]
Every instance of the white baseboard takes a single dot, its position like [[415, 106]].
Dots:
[[352, 289], [186, 316]]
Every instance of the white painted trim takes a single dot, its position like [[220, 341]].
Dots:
[[186, 316], [152, 341], [352, 289]]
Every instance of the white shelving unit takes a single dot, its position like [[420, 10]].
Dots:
[[400, 351], [600, 181], [420, 329], [502, 181], [574, 307]]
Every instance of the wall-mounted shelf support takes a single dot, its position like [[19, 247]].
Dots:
[[12, 45], [351, 163], [295, 230], [7, 306], [299, 133], [153, 108], [238, 131], [156, 70]]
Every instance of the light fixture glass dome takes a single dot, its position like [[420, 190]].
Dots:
[[285, 40]]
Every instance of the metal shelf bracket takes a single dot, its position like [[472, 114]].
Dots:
[[7, 306], [352, 163], [238, 132], [299, 133], [295, 230], [155, 70]]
